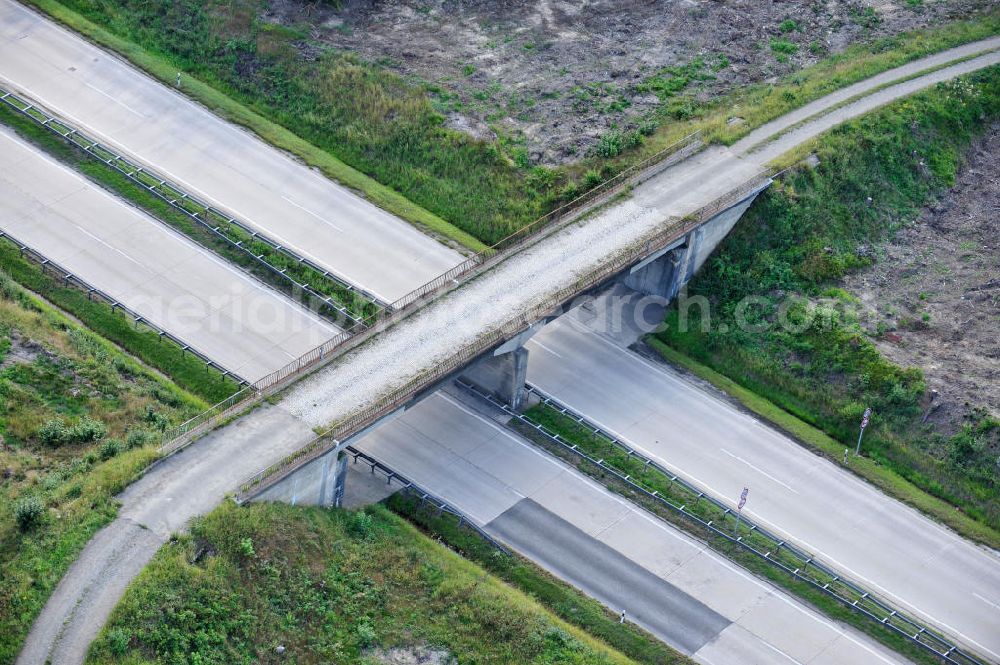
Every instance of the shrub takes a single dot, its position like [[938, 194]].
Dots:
[[361, 526], [110, 448], [366, 635], [28, 512], [118, 640], [54, 432], [246, 548], [137, 438], [156, 419], [87, 430]]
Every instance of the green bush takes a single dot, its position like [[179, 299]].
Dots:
[[54, 432], [87, 430], [136, 438], [361, 525], [111, 448], [28, 512]]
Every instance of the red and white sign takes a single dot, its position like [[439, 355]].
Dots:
[[743, 498], [865, 418]]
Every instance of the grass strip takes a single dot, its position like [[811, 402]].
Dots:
[[187, 371], [652, 479], [271, 132], [560, 598], [816, 440], [71, 153]]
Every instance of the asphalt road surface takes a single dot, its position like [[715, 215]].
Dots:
[[267, 189], [230, 317], [885, 545], [665, 581]]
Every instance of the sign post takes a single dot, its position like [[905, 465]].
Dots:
[[739, 509], [864, 423]]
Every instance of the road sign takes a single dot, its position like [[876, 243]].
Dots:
[[743, 497]]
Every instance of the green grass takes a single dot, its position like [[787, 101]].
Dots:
[[186, 370], [53, 370], [102, 173], [563, 600], [653, 480], [360, 124], [797, 240], [329, 586]]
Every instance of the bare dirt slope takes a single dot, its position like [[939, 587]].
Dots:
[[935, 294], [558, 74]]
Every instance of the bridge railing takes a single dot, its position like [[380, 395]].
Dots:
[[178, 437], [368, 414]]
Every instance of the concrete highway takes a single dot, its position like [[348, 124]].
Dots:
[[665, 581], [272, 192], [230, 317], [81, 602], [890, 548]]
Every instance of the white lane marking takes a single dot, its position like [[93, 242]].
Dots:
[[679, 381], [111, 247], [319, 217], [115, 100], [657, 523], [986, 600], [844, 475], [760, 471], [535, 341]]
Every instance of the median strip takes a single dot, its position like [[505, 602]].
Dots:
[[346, 304]]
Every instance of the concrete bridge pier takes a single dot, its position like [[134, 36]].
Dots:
[[662, 274], [321, 482], [505, 371], [665, 272], [502, 375]]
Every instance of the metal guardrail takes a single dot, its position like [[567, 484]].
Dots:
[[800, 564], [92, 292], [202, 213], [388, 403], [440, 505]]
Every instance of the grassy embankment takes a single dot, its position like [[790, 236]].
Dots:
[[561, 599], [186, 370], [79, 420], [653, 480], [114, 181], [329, 586], [381, 135], [788, 253]]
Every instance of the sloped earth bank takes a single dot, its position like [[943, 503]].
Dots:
[[933, 297], [561, 74]]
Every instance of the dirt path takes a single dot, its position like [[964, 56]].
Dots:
[[191, 483]]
